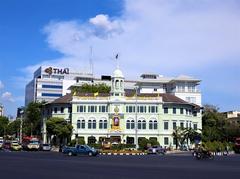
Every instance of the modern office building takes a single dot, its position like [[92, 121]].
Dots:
[[126, 116], [50, 83]]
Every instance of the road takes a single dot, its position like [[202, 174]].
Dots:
[[44, 165]]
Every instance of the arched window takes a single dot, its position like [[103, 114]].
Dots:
[[117, 84], [128, 124], [89, 124], [155, 125], [143, 124], [105, 124], [78, 124], [150, 124], [83, 124], [139, 124], [100, 124], [132, 124], [94, 124]]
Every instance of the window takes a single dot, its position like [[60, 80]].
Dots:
[[132, 124], [100, 124], [62, 109], [94, 124], [89, 124], [182, 125], [174, 110], [155, 89], [174, 125], [105, 124], [52, 86], [153, 109], [151, 124], [174, 141], [78, 124], [83, 124], [139, 124], [143, 124], [155, 125], [165, 110], [103, 109], [195, 126], [128, 124], [181, 110], [81, 108], [51, 95], [55, 110], [92, 108], [166, 142], [186, 111], [91, 140], [142, 109], [165, 125]]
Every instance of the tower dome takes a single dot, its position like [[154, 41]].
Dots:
[[118, 73]]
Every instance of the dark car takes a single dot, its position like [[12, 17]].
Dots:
[[156, 150], [80, 150], [7, 145]]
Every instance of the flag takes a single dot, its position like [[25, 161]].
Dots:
[[96, 94]]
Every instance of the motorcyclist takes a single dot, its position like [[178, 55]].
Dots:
[[202, 149]]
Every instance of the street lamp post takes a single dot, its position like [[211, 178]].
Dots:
[[136, 123]]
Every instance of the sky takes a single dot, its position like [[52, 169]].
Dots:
[[168, 37]]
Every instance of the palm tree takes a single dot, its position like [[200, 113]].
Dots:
[[190, 134], [178, 136]]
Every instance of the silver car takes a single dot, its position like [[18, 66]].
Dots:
[[46, 147]]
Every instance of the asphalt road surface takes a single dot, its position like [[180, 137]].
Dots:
[[46, 165]]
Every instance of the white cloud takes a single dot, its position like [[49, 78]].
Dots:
[[1, 85], [7, 96], [158, 36]]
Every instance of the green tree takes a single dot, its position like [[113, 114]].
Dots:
[[213, 124], [32, 118], [88, 88], [3, 125], [59, 128], [190, 134], [178, 136], [13, 127]]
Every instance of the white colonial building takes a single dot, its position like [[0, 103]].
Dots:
[[126, 117]]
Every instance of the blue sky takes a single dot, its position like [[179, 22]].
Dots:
[[199, 39]]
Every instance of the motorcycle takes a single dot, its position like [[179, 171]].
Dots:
[[204, 155]]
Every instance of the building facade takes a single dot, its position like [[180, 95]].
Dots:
[[50, 83], [184, 87], [125, 117]]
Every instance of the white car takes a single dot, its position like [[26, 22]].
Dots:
[[46, 147]]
